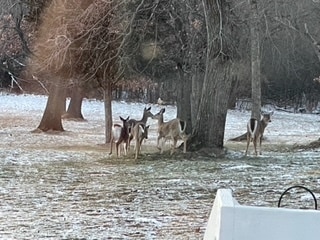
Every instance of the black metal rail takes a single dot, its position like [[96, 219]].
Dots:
[[306, 189]]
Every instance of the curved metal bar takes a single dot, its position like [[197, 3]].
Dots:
[[298, 186]]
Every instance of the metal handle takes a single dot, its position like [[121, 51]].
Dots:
[[308, 190]]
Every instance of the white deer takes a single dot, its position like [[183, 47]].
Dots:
[[173, 129]]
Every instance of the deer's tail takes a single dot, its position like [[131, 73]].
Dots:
[[183, 126], [252, 127]]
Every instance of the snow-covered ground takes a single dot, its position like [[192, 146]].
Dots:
[[20, 114], [66, 186]]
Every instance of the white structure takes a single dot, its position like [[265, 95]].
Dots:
[[231, 221]]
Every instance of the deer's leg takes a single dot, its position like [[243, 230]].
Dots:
[[111, 145], [130, 139], [162, 144], [248, 142], [137, 148], [255, 139], [117, 148], [260, 141], [158, 139], [173, 148], [184, 145], [125, 147]]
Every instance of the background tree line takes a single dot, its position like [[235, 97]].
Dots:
[[195, 53]]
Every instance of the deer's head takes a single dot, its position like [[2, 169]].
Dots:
[[159, 114]]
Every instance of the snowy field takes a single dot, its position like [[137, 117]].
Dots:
[[20, 114], [66, 186]]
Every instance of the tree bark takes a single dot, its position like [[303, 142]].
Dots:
[[211, 117], [107, 97], [51, 119], [255, 61], [184, 99], [74, 108]]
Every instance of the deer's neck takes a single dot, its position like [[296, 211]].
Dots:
[[263, 125], [160, 120], [144, 119]]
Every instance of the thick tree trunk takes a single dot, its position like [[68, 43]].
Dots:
[[107, 97], [197, 82], [51, 119], [212, 113], [209, 128], [74, 108], [184, 99]]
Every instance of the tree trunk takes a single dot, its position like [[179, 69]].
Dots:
[[255, 61], [197, 82], [51, 119], [184, 99], [74, 108], [107, 97], [211, 117], [213, 107]]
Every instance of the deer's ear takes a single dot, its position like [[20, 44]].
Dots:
[[163, 110], [121, 118], [127, 118], [148, 109]]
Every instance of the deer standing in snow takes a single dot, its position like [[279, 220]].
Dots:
[[173, 129], [139, 132], [132, 122], [120, 135], [255, 130]]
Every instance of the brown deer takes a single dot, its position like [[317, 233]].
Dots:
[[132, 122], [120, 135], [173, 129], [255, 130], [140, 132]]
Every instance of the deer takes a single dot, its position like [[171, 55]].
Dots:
[[139, 132], [173, 129], [120, 135], [255, 130], [132, 122]]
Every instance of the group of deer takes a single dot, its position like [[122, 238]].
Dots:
[[174, 130], [138, 130]]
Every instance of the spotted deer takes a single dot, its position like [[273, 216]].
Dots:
[[173, 129], [139, 132], [132, 122], [120, 135], [255, 130]]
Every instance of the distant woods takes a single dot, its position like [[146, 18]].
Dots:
[[163, 42]]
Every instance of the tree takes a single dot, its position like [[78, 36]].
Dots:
[[74, 109], [221, 52], [84, 43], [255, 61], [54, 57], [167, 42], [104, 26]]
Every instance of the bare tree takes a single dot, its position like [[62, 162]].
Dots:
[[84, 42], [255, 61], [209, 128]]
